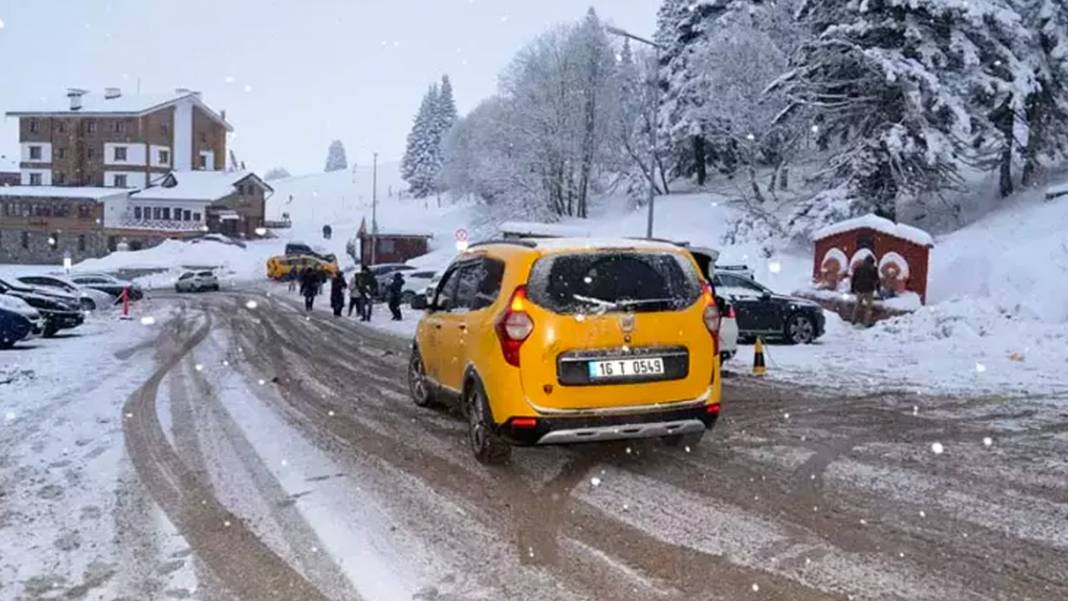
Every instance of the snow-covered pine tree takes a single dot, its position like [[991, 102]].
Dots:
[[276, 173], [909, 87], [335, 157], [1046, 112], [419, 156]]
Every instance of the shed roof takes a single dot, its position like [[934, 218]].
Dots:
[[879, 224], [197, 185]]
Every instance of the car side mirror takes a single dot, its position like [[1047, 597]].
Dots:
[[441, 305], [419, 302]]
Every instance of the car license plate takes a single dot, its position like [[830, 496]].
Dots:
[[626, 368]]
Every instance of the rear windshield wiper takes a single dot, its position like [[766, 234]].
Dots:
[[646, 301], [600, 302]]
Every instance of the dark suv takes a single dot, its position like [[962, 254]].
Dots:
[[761, 312], [58, 313]]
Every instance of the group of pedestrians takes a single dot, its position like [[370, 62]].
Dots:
[[362, 291]]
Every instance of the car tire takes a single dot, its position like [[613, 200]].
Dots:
[[87, 304], [488, 448], [407, 296], [800, 329], [214, 287], [49, 331], [683, 440], [418, 386], [6, 343]]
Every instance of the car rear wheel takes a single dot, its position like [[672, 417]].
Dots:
[[418, 385], [50, 331], [87, 304], [800, 329], [485, 444]]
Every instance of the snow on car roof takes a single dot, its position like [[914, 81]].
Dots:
[[530, 228], [879, 224], [560, 244]]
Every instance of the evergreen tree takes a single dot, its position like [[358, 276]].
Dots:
[[1047, 108], [276, 173], [909, 87], [420, 164], [335, 157]]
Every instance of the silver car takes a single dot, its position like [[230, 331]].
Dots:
[[196, 281]]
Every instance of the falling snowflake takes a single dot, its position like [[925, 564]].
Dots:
[[225, 362], [504, 19], [315, 549], [687, 448], [198, 367], [923, 513], [284, 463], [915, 410], [775, 267], [786, 416], [580, 317], [756, 588], [248, 88], [628, 451], [595, 481], [330, 413], [251, 304], [987, 441], [937, 448], [10, 416], [980, 368], [229, 79], [226, 523], [1, 23], [148, 320]]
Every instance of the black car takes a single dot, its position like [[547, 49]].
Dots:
[[761, 312], [58, 312]]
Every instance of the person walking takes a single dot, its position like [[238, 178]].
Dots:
[[864, 283], [395, 291], [367, 286], [354, 295], [337, 293], [309, 287]]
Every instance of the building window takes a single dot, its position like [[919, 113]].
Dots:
[[137, 213], [33, 125], [61, 153], [59, 178], [196, 217], [25, 240], [90, 127], [59, 126], [85, 211], [35, 179], [186, 215], [118, 127], [203, 161], [81, 242], [35, 153], [120, 181], [120, 153], [164, 130], [166, 213], [164, 157], [90, 153]]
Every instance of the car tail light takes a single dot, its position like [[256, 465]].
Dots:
[[712, 409], [730, 312], [524, 422], [711, 310], [514, 326]]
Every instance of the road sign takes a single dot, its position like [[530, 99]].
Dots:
[[461, 235]]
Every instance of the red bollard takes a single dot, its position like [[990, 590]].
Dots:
[[125, 296]]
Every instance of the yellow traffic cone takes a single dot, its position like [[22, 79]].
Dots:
[[758, 358]]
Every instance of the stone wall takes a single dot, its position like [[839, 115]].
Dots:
[[31, 245]]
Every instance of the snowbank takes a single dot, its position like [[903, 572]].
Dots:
[[169, 259]]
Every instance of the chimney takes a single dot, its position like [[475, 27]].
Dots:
[[110, 93], [75, 95], [222, 114]]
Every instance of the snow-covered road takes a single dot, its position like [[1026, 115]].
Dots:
[[239, 449]]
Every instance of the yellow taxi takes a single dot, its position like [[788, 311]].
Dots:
[[291, 266], [571, 340]]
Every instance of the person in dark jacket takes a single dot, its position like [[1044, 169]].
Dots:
[[367, 287], [309, 287], [394, 292], [864, 284], [337, 293]]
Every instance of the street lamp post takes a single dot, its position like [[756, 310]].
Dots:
[[374, 209], [654, 109]]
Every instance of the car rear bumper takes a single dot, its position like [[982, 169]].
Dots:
[[64, 320], [556, 429]]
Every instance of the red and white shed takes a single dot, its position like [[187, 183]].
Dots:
[[901, 251]]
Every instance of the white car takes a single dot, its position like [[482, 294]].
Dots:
[[728, 330], [196, 281], [89, 299], [416, 282]]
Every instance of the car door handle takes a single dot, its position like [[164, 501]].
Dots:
[[463, 327], [437, 326]]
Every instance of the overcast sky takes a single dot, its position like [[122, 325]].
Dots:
[[291, 74]]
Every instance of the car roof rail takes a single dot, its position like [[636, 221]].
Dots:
[[515, 241], [682, 244]]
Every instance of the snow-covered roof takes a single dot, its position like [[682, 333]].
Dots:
[[92, 193], [124, 104], [879, 224], [196, 185], [549, 230]]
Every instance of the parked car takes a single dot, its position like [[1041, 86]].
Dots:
[[58, 312], [285, 268], [300, 249], [90, 299], [761, 312], [560, 341], [18, 321], [415, 283], [196, 281], [108, 283]]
